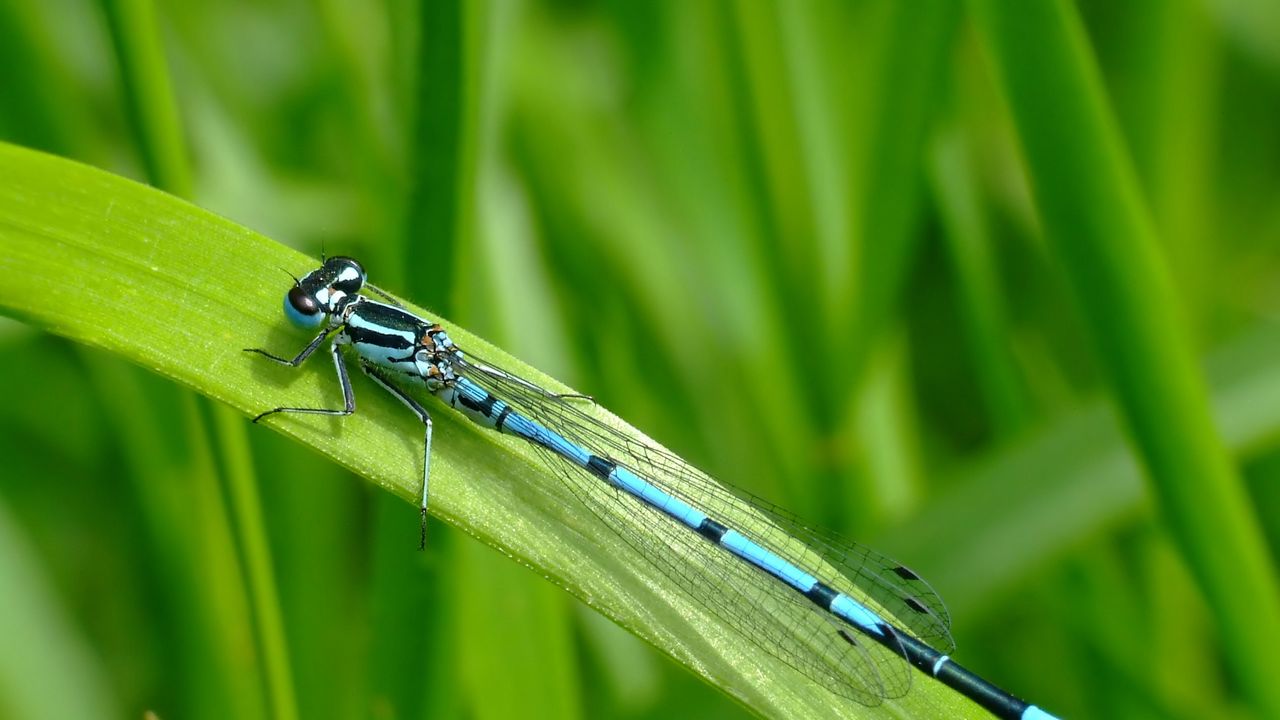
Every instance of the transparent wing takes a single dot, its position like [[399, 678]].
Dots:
[[766, 612]]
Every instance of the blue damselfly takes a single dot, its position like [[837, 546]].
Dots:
[[842, 614]]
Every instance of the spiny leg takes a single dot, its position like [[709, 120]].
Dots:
[[348, 397], [301, 357], [425, 417]]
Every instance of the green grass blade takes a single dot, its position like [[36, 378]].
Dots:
[[1096, 221], [177, 290], [524, 636], [242, 486], [158, 132], [40, 106], [440, 204], [144, 76], [1088, 481], [969, 248], [887, 193], [191, 548], [47, 654]]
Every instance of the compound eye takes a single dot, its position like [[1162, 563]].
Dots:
[[349, 276], [302, 309]]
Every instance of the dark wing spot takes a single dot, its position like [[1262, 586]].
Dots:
[[905, 573]]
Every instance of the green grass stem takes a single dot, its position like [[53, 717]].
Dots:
[[1096, 221], [176, 290]]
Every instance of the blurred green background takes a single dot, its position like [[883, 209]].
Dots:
[[805, 245]]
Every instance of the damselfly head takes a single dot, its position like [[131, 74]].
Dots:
[[345, 275], [320, 292]]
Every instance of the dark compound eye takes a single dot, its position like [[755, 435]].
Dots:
[[302, 301], [302, 308]]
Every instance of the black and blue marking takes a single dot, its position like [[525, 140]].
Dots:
[[482, 407], [396, 345]]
